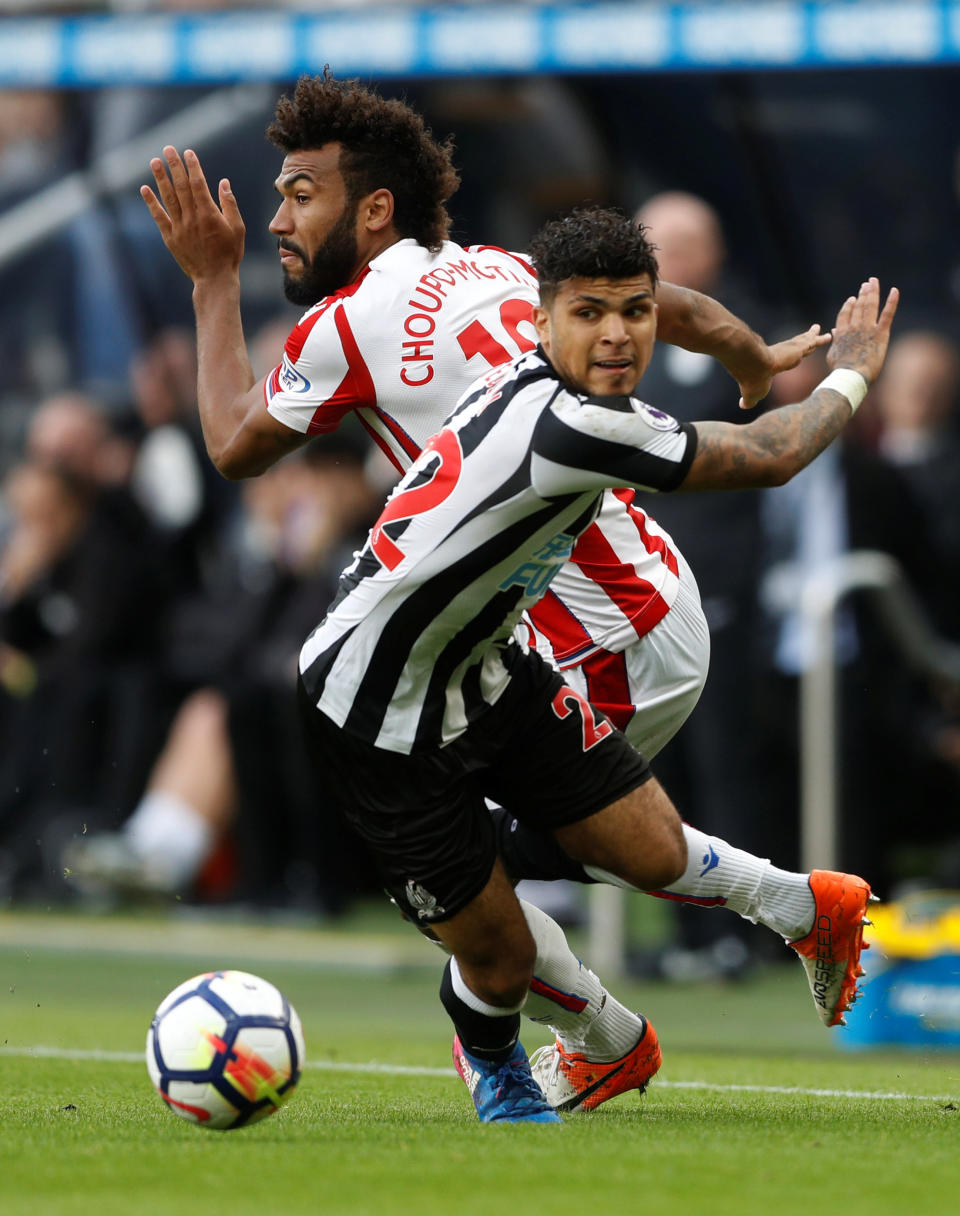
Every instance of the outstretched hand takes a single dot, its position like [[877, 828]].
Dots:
[[205, 238], [782, 356], [862, 332]]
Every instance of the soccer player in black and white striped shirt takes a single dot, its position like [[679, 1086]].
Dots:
[[419, 700]]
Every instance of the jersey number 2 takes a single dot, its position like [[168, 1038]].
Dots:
[[564, 703], [420, 498]]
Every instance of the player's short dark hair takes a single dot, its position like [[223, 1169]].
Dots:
[[591, 243], [385, 146]]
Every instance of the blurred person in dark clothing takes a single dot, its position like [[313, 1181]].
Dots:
[[81, 603], [71, 438], [50, 509], [708, 766], [916, 405], [916, 402], [848, 499]]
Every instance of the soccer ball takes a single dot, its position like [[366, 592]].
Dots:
[[225, 1049]]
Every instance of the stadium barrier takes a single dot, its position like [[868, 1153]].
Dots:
[[909, 627]]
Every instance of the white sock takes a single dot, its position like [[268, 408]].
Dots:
[[614, 1031], [567, 996], [170, 837], [785, 903], [719, 875]]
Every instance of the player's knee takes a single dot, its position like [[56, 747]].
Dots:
[[504, 990]]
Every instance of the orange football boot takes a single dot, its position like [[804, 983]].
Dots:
[[572, 1082], [830, 952]]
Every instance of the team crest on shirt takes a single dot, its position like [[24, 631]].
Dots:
[[290, 379], [656, 418]]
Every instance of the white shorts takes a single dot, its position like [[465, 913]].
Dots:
[[649, 690]]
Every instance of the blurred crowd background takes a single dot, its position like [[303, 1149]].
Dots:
[[151, 613]]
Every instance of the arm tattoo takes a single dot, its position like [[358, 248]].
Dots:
[[851, 350], [770, 450]]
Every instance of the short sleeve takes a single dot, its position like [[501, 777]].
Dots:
[[322, 376], [585, 443]]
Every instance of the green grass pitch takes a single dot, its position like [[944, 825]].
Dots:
[[755, 1109]]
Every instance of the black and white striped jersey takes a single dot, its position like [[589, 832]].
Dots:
[[419, 640]]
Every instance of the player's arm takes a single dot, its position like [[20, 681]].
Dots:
[[242, 438], [207, 240], [697, 322], [771, 450]]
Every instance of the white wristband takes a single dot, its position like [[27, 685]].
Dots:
[[848, 383]]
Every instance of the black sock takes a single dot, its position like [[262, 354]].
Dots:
[[526, 853], [491, 1038]]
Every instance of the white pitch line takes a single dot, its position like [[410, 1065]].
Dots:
[[869, 1095], [406, 1070]]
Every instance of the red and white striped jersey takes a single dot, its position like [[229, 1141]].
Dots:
[[620, 581], [398, 347]]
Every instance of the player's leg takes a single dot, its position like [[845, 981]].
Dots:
[[493, 953], [717, 874], [648, 691], [601, 1048], [425, 825], [562, 764], [637, 839], [485, 985], [593, 1032], [829, 950]]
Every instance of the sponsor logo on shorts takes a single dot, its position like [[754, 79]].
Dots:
[[422, 902]]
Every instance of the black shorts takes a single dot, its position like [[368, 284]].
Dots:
[[542, 751]]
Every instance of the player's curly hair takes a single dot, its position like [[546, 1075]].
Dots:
[[386, 145], [590, 243]]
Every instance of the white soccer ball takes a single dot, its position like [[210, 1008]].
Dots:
[[225, 1049]]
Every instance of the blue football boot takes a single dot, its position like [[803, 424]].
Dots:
[[503, 1091]]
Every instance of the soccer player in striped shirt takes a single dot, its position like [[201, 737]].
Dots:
[[419, 699], [404, 319]]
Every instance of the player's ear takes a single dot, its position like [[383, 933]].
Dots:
[[376, 210], [541, 321]]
